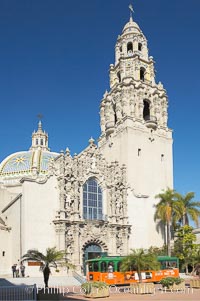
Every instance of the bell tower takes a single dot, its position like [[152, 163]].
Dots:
[[134, 131]]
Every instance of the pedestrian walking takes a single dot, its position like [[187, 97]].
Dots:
[[14, 270], [22, 270], [46, 273]]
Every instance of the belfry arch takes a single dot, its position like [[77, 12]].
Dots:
[[129, 48]]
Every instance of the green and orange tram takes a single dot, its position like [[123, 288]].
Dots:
[[107, 269]]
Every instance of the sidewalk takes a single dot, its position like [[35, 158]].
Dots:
[[75, 294], [62, 289], [53, 281]]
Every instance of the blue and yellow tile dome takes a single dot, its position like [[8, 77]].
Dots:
[[21, 163], [31, 162]]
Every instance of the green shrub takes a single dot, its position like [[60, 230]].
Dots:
[[87, 286], [168, 281]]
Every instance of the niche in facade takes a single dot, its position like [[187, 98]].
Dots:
[[139, 46], [119, 77], [146, 110], [142, 74]]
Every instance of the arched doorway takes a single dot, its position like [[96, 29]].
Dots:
[[91, 250]]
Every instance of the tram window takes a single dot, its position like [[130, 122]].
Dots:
[[90, 268], [95, 267], [148, 275], [163, 264], [174, 264], [103, 267], [110, 267], [171, 264], [168, 264], [118, 266]]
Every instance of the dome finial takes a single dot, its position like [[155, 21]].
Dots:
[[131, 11]]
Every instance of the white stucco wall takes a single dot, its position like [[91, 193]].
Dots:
[[5, 252], [196, 231], [40, 202], [147, 175], [7, 195], [11, 240]]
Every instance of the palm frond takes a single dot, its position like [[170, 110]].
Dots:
[[52, 257]]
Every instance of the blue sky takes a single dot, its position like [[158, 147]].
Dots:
[[54, 60]]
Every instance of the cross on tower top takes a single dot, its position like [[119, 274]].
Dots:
[[39, 116], [131, 10]]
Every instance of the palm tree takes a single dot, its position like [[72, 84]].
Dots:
[[167, 212], [51, 258], [140, 260], [188, 208]]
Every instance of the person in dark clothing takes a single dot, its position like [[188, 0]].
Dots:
[[22, 269], [14, 270], [46, 272]]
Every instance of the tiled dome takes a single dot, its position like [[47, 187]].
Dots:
[[21, 163], [33, 162]]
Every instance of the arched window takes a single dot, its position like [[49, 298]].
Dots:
[[129, 47], [146, 110], [139, 46], [120, 48], [41, 141], [142, 73], [119, 76], [36, 141], [92, 200]]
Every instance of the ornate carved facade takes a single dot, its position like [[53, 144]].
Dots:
[[75, 231]]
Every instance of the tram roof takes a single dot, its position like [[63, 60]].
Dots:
[[109, 258], [167, 258], [106, 258]]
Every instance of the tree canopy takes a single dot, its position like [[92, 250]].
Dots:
[[188, 208], [140, 260], [52, 257], [173, 210]]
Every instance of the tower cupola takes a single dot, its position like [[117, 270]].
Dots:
[[39, 139], [131, 56]]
